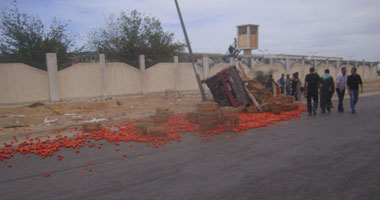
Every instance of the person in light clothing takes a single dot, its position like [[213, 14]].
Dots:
[[341, 81]]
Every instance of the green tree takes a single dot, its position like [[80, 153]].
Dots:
[[23, 39], [131, 34], [262, 77]]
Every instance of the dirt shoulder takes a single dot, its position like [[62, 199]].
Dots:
[[40, 119]]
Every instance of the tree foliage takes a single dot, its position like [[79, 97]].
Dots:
[[262, 77], [23, 39], [131, 34]]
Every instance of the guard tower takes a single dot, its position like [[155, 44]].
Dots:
[[247, 38]]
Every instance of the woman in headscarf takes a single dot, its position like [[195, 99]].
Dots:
[[327, 90]]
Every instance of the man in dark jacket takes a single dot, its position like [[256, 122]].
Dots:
[[327, 90], [295, 83], [311, 91], [353, 82]]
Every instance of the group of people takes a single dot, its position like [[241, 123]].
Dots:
[[326, 85], [323, 87], [290, 86]]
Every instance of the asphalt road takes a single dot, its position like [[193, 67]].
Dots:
[[331, 156]]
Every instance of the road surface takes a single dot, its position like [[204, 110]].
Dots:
[[330, 156]]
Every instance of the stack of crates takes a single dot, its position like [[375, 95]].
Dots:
[[154, 126]]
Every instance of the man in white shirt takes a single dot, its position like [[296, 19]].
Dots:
[[341, 81]]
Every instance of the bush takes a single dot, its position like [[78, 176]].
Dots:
[[262, 77]]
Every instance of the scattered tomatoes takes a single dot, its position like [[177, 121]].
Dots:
[[127, 133]]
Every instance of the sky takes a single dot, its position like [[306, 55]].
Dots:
[[338, 28]]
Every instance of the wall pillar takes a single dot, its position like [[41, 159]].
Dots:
[[176, 69], [52, 67], [252, 63], [103, 72], [337, 68], [206, 66], [287, 65], [142, 72], [302, 75]]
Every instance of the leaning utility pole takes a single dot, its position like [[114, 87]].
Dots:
[[191, 53]]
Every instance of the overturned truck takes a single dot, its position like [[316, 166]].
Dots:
[[229, 90]]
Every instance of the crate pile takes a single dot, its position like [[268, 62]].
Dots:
[[276, 105], [91, 127], [261, 93], [209, 116], [286, 102], [266, 100], [230, 117], [154, 125]]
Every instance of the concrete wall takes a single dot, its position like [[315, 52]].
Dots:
[[20, 83], [160, 77], [367, 73], [360, 70], [217, 68], [122, 79], [81, 80], [187, 80], [373, 75], [247, 71]]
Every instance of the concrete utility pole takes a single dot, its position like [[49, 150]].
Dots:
[[191, 53]]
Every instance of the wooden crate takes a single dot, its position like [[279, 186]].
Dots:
[[91, 127]]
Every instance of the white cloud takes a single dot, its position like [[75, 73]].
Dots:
[[331, 27]]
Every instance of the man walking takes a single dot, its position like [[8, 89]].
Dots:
[[353, 82], [341, 81], [311, 91], [327, 90]]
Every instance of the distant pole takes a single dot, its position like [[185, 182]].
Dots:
[[191, 53]]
